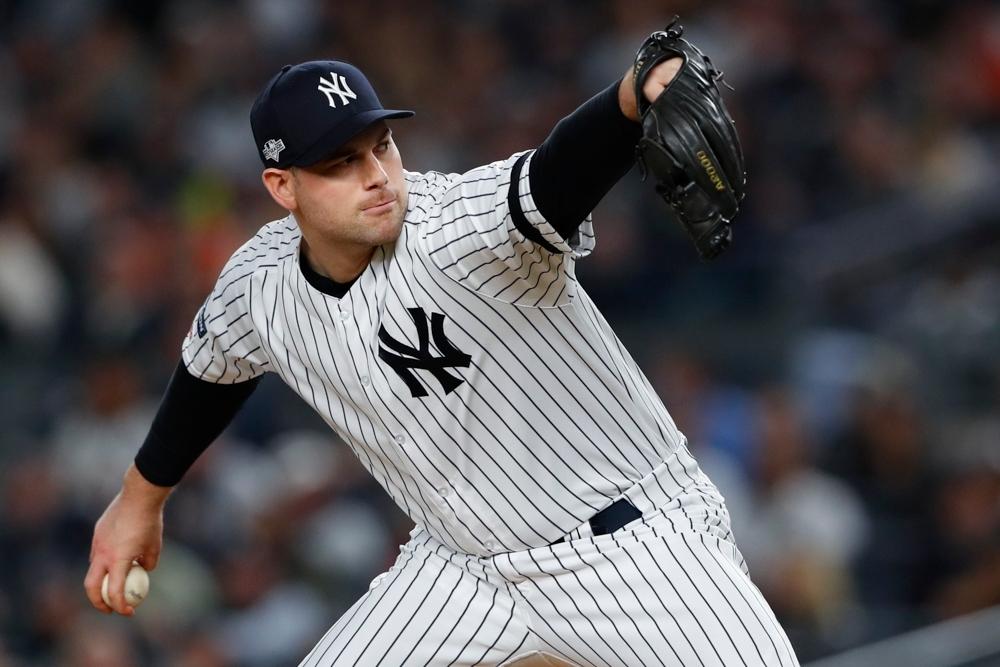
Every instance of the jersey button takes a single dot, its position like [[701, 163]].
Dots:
[[490, 545], [444, 491], [399, 438], [344, 315], [365, 380]]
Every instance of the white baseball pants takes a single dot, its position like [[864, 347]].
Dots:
[[670, 588]]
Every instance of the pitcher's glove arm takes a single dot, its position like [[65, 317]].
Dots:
[[689, 142]]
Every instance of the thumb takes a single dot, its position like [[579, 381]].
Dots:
[[149, 559]]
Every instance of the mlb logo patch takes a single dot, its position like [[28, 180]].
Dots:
[[201, 327]]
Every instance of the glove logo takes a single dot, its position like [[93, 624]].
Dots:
[[409, 358], [337, 85], [709, 168]]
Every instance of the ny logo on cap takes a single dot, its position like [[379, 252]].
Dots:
[[273, 148], [337, 85]]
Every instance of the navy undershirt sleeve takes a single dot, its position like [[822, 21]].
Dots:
[[191, 416], [584, 156]]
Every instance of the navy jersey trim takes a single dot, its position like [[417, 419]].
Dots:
[[517, 215], [327, 286]]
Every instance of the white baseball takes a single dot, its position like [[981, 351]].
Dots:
[[136, 586]]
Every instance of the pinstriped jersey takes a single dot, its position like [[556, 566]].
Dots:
[[466, 367]]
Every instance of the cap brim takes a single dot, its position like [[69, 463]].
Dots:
[[344, 132]]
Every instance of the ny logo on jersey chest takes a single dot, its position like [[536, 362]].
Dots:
[[404, 359]]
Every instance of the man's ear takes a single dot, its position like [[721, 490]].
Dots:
[[280, 186]]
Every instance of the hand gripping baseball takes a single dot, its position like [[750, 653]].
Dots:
[[131, 529], [689, 141]]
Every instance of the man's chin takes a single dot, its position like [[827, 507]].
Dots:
[[387, 227]]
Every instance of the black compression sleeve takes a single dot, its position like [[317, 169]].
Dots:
[[192, 414], [584, 156]]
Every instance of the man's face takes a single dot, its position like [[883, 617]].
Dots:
[[356, 198]]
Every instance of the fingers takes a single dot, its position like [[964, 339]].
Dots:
[[116, 587], [92, 585]]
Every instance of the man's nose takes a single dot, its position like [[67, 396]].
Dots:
[[375, 174]]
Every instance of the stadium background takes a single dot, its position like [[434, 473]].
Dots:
[[837, 372]]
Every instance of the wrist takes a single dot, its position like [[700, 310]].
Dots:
[[626, 97], [137, 489]]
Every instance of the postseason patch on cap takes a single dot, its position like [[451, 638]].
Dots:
[[273, 148]]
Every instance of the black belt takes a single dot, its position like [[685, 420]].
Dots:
[[611, 518]]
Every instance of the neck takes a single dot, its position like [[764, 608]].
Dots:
[[339, 266]]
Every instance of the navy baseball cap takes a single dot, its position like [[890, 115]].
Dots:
[[307, 111]]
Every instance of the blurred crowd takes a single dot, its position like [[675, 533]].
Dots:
[[837, 372]]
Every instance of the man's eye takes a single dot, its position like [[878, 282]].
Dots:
[[383, 147], [333, 167]]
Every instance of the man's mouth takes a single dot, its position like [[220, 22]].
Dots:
[[380, 206]]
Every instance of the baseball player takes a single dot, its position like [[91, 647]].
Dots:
[[436, 323]]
